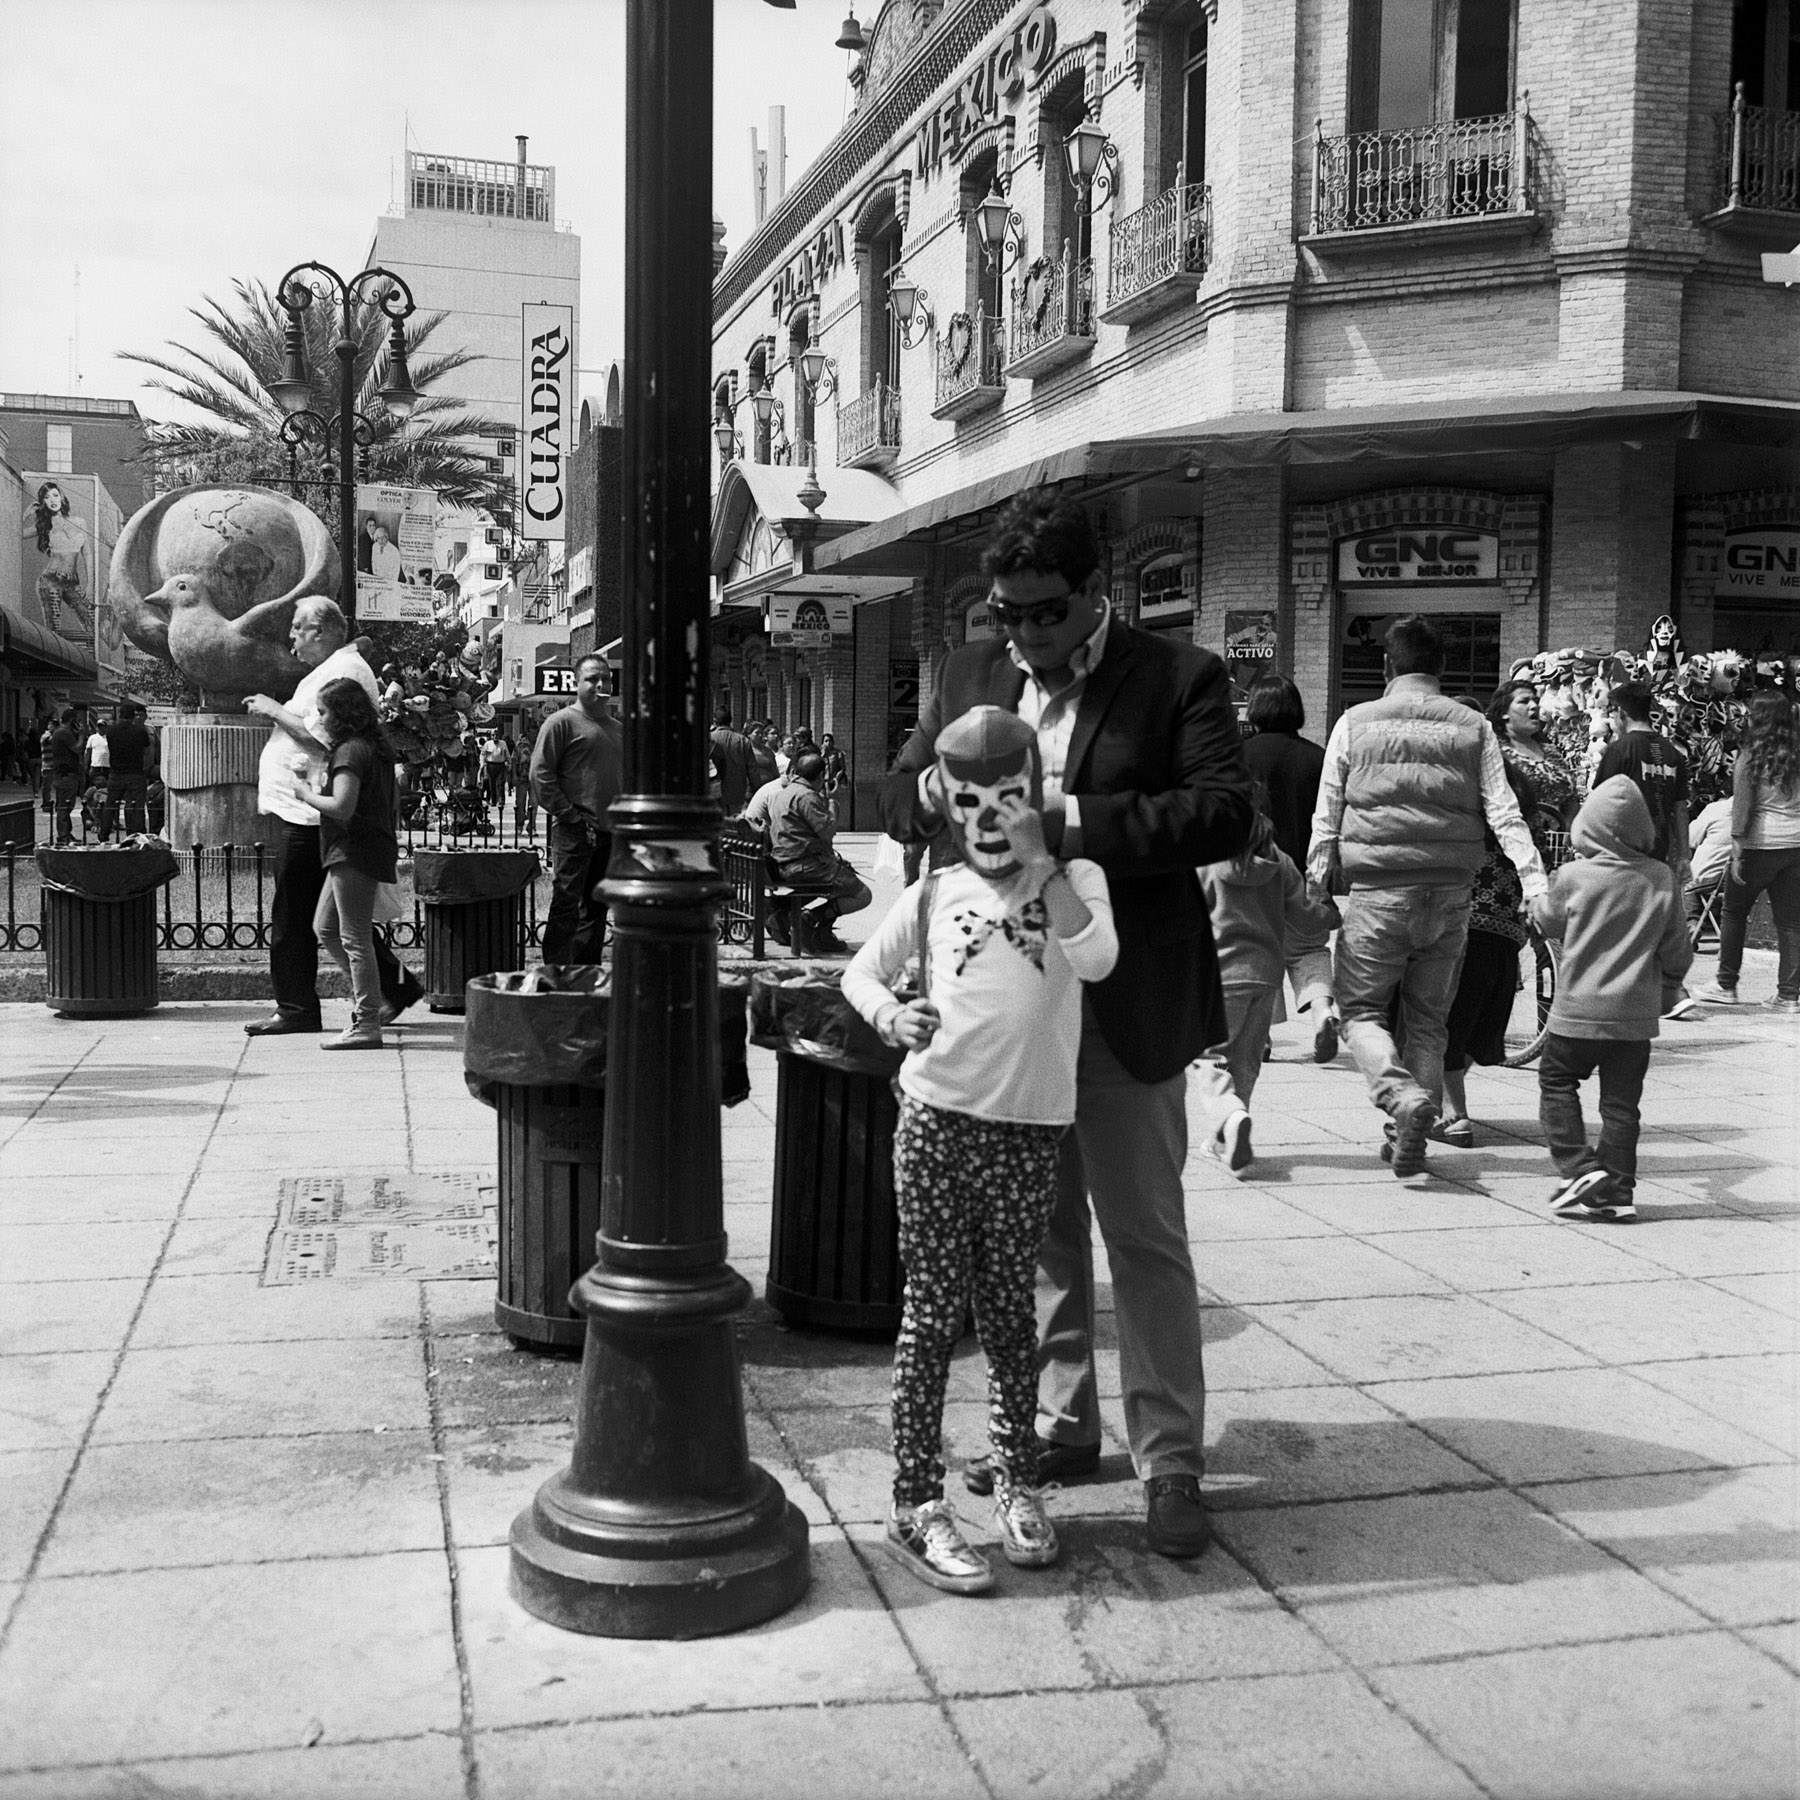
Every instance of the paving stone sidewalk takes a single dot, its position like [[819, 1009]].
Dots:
[[1505, 1506]]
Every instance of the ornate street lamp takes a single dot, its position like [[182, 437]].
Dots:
[[296, 291], [910, 305], [661, 1526], [998, 228], [1092, 157]]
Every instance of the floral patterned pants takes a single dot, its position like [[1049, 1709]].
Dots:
[[974, 1198]]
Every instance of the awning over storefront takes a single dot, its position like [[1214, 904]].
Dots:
[[765, 536], [34, 650], [893, 545]]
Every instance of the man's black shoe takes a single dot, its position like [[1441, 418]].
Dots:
[[1056, 1462], [1177, 1523], [282, 1024], [411, 993]]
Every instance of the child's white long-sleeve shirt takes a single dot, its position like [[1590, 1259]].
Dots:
[[1006, 987]]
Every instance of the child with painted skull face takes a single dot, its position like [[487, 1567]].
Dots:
[[1004, 941]]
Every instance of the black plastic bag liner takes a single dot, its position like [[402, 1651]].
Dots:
[[109, 871], [808, 1015], [546, 1027], [463, 877]]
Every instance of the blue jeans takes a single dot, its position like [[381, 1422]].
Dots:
[[1406, 942], [1567, 1063]]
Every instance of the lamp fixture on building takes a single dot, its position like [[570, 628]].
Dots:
[[296, 291], [1092, 157], [1000, 230], [850, 34], [819, 372], [770, 415], [911, 306]]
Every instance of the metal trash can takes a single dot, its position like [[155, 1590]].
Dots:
[[535, 1050], [99, 926], [834, 1232], [474, 906]]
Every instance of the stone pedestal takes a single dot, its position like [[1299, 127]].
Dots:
[[209, 768]]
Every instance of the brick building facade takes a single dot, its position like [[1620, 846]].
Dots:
[[1440, 305]]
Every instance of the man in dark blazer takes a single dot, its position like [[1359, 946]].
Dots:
[[1143, 773]]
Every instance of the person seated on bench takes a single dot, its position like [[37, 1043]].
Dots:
[[798, 822]]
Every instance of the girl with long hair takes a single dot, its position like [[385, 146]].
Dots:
[[1765, 850], [358, 848]]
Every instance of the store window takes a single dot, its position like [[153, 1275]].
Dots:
[[982, 276], [59, 450], [757, 371], [799, 336], [1765, 52], [1177, 102], [1416, 62], [881, 331]]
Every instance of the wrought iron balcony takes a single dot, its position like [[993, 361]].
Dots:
[[1759, 164], [969, 354], [868, 428], [1159, 253], [1462, 171], [1052, 317]]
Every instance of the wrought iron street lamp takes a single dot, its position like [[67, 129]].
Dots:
[[661, 1526], [297, 290], [999, 228], [1092, 157], [910, 305]]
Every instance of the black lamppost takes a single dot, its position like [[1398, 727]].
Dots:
[[297, 290], [662, 1526]]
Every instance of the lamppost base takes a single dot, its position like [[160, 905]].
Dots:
[[661, 1527]]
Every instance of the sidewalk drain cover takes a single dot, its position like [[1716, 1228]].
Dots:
[[365, 1226]]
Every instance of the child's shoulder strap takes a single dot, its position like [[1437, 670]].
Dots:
[[927, 894]]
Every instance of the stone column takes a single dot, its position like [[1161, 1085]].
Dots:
[[209, 769]]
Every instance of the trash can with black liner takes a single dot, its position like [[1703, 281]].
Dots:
[[99, 926], [534, 1049], [474, 905], [834, 1233]]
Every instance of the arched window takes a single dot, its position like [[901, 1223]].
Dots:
[[757, 372], [799, 336]]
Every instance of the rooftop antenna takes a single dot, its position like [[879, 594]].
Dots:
[[75, 341], [759, 179]]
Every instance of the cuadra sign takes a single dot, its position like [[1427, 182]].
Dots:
[[975, 100], [809, 271], [1420, 553]]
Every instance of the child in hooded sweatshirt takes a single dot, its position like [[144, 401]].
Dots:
[[1258, 902], [1625, 948]]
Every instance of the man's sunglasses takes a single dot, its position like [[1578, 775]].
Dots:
[[1044, 613]]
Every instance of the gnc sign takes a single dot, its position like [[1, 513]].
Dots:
[[1432, 553]]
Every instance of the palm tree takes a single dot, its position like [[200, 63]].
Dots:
[[232, 379]]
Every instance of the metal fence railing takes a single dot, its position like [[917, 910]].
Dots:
[[1170, 236], [1457, 169], [1759, 156]]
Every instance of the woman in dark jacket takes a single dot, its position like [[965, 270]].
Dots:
[[1286, 767]]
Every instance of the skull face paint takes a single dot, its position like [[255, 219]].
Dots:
[[987, 755]]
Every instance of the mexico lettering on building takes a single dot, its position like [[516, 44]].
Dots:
[[546, 405], [808, 272], [1762, 561], [1432, 553], [975, 101]]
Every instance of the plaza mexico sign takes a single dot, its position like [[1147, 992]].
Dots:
[[808, 272], [975, 100], [1763, 561], [1433, 553]]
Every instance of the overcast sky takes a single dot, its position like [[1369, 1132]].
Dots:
[[167, 147]]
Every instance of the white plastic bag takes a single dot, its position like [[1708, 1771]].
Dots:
[[890, 858]]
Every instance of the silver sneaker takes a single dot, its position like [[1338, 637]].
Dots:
[[928, 1540], [1027, 1538]]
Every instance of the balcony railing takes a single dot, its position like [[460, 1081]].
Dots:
[[1759, 157], [1461, 169], [868, 428], [970, 352], [1052, 316], [1159, 253]]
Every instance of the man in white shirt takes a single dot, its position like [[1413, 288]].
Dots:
[[96, 759], [293, 755]]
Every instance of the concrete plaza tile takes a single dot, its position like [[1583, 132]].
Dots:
[[487, 1380], [1421, 1575], [1388, 1338], [265, 1390], [1367, 1210], [1324, 1165], [66, 1315], [298, 1154], [798, 1368], [186, 1662], [1779, 1293], [47, 1400], [1682, 1718], [182, 1505], [30, 1480], [493, 1471], [1636, 1321], [1728, 1244], [35, 1199], [43, 1150], [1270, 1447], [1757, 1394], [1544, 1255], [880, 1751], [81, 1252], [1227, 1212], [221, 1246], [233, 1194], [1283, 1737], [1108, 1614], [1570, 1423], [1242, 1352], [838, 1644], [1781, 1642], [1314, 1268], [1725, 1541], [393, 1769], [1729, 1195], [231, 1309]]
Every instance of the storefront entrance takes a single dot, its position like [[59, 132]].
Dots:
[[1469, 622]]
